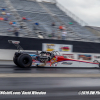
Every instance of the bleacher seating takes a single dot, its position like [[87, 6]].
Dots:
[[25, 5], [66, 19], [37, 14], [4, 25]]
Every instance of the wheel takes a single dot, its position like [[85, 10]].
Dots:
[[37, 66], [15, 60], [99, 65], [24, 60], [95, 61]]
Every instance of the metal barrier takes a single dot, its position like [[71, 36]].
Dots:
[[52, 1]]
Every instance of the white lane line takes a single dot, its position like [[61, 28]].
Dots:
[[48, 75]]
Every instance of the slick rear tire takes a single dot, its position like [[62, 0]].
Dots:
[[25, 61], [15, 60]]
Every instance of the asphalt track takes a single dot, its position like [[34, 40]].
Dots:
[[58, 83]]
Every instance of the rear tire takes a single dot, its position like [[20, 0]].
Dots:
[[24, 60], [15, 60]]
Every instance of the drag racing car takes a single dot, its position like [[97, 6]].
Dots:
[[46, 59]]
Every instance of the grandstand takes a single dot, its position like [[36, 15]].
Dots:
[[44, 12]]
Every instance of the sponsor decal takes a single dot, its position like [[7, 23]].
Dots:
[[54, 60], [66, 63], [32, 55], [84, 57], [35, 61], [57, 47], [65, 48], [50, 47], [69, 56], [48, 64], [33, 64], [97, 57], [56, 64]]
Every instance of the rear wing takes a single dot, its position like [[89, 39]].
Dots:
[[16, 43]]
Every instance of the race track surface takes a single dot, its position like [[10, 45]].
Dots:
[[57, 87]]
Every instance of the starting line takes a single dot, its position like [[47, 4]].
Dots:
[[23, 75]]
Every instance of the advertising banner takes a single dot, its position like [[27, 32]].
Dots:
[[65, 48], [57, 47], [84, 57]]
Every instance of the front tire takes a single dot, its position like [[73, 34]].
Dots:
[[95, 61], [24, 60], [99, 65]]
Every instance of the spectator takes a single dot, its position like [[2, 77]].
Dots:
[[61, 28], [24, 18], [59, 35], [70, 23], [16, 32], [64, 27], [53, 24], [3, 9], [29, 19], [9, 30], [10, 22], [14, 24], [50, 35], [8, 14], [6, 19], [21, 27], [53, 34], [37, 24], [3, 13], [34, 27], [64, 33], [1, 18]]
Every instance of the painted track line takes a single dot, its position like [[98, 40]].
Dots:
[[25, 75]]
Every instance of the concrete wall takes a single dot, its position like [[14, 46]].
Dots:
[[6, 54]]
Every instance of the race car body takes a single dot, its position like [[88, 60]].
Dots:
[[60, 61], [46, 59]]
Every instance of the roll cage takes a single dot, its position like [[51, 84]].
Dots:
[[50, 53], [20, 49]]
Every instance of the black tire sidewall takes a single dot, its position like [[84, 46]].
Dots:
[[20, 60], [15, 60], [96, 61], [99, 65]]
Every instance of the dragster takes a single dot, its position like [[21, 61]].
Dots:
[[46, 59]]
